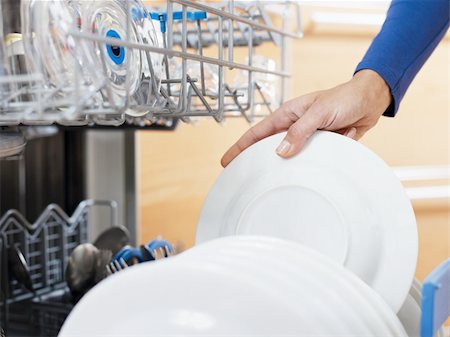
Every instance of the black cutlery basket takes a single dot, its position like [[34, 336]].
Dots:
[[46, 246]]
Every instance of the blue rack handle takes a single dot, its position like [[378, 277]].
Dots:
[[191, 16], [435, 300]]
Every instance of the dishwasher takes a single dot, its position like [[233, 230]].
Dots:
[[77, 80], [198, 60]]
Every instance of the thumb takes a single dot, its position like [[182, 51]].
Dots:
[[299, 132]]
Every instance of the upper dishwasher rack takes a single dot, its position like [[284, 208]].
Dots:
[[207, 65]]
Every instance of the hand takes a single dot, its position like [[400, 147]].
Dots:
[[350, 109]]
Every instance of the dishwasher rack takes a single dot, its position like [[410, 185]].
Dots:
[[206, 37], [46, 246]]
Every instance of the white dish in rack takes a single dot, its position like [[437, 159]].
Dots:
[[209, 292]]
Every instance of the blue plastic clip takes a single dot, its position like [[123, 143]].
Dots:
[[144, 253], [191, 16], [115, 53], [435, 300], [127, 253], [157, 244]]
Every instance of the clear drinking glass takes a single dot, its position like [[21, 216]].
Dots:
[[134, 75], [208, 85], [71, 80], [268, 83], [3, 64]]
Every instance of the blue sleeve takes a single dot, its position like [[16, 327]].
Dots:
[[412, 30]]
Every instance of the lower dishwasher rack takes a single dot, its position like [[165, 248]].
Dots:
[[46, 246]]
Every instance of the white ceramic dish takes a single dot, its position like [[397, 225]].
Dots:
[[307, 289], [336, 197], [409, 315], [410, 312], [125, 67], [170, 299], [192, 294], [335, 287]]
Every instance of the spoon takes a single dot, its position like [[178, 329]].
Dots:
[[113, 239]]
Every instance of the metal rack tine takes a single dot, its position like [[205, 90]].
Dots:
[[187, 35]]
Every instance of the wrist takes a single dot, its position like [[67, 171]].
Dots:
[[376, 89]]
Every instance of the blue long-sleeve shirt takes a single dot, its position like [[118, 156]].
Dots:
[[412, 30]]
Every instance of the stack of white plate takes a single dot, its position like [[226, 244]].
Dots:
[[235, 286]]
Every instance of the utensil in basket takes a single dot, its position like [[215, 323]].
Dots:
[[86, 268], [116, 266], [80, 271], [19, 267], [12, 142], [113, 239], [127, 256]]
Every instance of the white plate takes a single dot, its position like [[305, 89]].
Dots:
[[169, 299], [345, 301], [410, 312], [189, 295], [416, 291], [336, 197]]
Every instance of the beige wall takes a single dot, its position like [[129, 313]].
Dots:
[[177, 169]]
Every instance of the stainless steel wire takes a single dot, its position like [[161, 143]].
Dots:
[[181, 94]]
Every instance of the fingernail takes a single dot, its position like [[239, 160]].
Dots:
[[283, 148], [351, 133]]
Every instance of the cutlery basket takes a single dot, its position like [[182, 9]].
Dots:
[[49, 311], [46, 246]]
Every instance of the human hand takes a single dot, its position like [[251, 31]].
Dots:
[[350, 109]]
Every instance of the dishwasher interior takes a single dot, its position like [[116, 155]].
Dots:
[[63, 107]]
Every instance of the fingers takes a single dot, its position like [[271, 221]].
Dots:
[[279, 121], [351, 132], [348, 132], [360, 132], [354, 132], [299, 133], [263, 129]]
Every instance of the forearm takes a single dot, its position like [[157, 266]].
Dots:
[[412, 30]]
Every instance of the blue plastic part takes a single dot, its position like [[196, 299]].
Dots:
[[435, 300], [191, 16], [138, 14], [115, 53], [155, 244], [127, 253]]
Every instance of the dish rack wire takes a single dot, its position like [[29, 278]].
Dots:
[[46, 246], [189, 30]]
